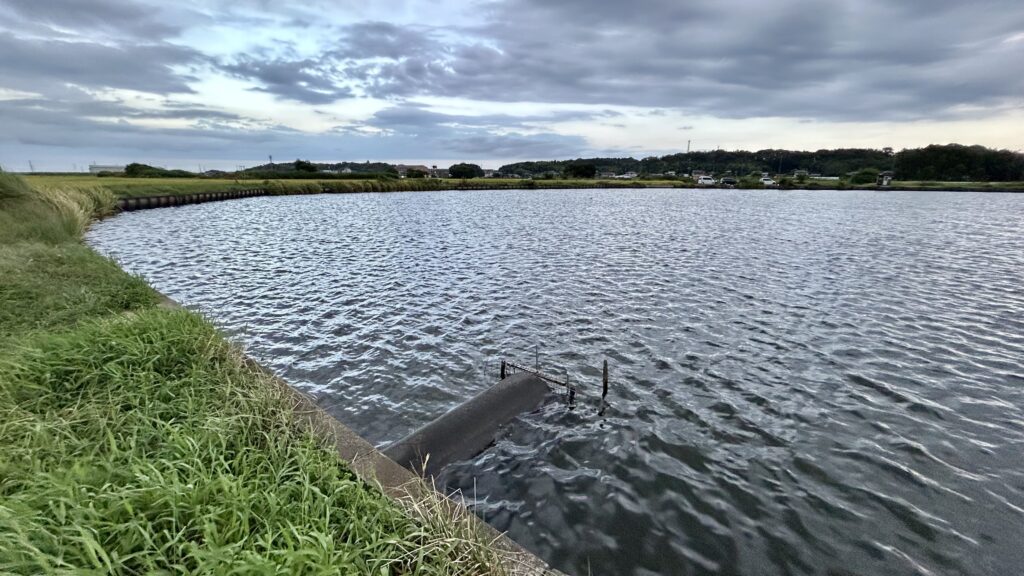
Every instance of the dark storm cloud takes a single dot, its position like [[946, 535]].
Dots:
[[75, 125], [412, 117], [81, 105], [517, 146], [863, 60], [33, 65], [384, 40], [47, 46], [305, 80], [482, 136], [321, 81], [101, 129]]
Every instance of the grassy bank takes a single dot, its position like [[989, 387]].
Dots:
[[913, 185], [137, 187], [134, 439]]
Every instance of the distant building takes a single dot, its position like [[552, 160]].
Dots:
[[627, 176], [97, 168], [606, 175], [885, 178], [490, 173]]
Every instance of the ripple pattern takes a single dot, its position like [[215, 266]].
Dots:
[[805, 382]]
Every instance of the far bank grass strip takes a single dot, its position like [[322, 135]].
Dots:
[[122, 187], [142, 187], [134, 439]]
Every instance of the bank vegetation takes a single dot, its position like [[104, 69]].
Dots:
[[135, 440]]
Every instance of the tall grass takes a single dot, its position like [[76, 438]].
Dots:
[[136, 440], [142, 444]]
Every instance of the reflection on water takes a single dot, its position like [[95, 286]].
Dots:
[[805, 383]]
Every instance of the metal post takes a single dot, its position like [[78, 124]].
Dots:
[[604, 388], [604, 381], [536, 357], [572, 392], [502, 369]]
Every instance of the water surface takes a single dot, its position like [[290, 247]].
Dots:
[[804, 382]]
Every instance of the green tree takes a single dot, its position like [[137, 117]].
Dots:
[[136, 170], [865, 176], [304, 166], [414, 173], [465, 171], [581, 170]]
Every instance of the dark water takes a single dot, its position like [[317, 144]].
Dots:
[[804, 382]]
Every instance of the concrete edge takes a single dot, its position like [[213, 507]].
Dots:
[[374, 468]]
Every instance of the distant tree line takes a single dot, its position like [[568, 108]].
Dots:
[[465, 171], [306, 170], [960, 163], [953, 162]]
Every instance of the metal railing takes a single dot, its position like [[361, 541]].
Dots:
[[509, 368]]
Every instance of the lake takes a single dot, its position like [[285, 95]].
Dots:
[[802, 382]]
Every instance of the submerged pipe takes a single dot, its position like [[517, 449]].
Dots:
[[470, 428]]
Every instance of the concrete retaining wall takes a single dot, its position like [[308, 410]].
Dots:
[[162, 201]]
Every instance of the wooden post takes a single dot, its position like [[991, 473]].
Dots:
[[502, 369]]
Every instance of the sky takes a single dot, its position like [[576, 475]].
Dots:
[[225, 83]]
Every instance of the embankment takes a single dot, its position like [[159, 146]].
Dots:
[[135, 439]]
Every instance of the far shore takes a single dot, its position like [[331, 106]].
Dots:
[[152, 187]]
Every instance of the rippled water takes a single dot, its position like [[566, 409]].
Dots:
[[804, 382]]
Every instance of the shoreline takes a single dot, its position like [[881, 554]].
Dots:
[[131, 203]]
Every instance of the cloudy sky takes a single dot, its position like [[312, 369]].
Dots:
[[220, 83]]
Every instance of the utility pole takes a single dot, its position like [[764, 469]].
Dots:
[[687, 146], [31, 167]]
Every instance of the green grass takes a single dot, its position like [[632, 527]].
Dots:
[[51, 287], [915, 185], [135, 440], [138, 187], [979, 186]]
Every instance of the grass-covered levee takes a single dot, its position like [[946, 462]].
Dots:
[[135, 440]]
